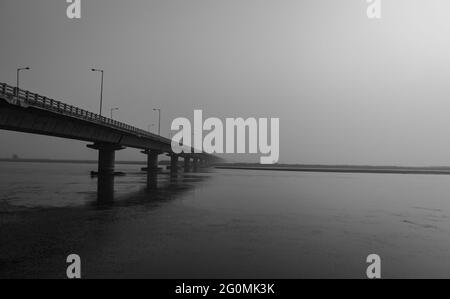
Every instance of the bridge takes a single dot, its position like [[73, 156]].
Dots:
[[24, 111]]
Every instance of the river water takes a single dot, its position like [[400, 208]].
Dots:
[[222, 224]]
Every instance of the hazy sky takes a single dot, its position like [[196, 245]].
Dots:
[[346, 89]]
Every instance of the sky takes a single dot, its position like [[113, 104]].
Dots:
[[347, 89]]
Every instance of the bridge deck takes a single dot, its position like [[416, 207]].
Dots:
[[26, 99], [32, 113]]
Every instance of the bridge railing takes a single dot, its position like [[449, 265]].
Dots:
[[42, 102]]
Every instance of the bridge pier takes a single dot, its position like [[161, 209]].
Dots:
[[106, 156], [187, 164], [152, 160], [152, 168], [195, 164], [173, 164], [106, 161], [204, 163], [207, 163]]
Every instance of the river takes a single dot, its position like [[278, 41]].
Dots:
[[222, 224]]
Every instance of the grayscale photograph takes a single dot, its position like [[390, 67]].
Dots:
[[237, 143]]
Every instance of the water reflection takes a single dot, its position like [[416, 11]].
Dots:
[[158, 187], [105, 188], [152, 181]]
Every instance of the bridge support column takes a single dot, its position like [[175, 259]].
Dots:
[[152, 160], [187, 164], [173, 164], [151, 169], [201, 163], [196, 160], [106, 156], [106, 161]]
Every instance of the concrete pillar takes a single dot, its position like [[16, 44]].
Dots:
[[173, 164], [106, 161], [202, 163], [187, 164], [106, 156], [152, 161], [151, 169], [195, 166]]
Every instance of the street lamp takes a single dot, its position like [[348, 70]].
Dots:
[[101, 88], [113, 109], [159, 120], [18, 79]]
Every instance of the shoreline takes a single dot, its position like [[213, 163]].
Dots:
[[427, 170], [347, 169], [62, 161]]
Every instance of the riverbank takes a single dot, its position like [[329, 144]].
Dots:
[[68, 161], [342, 169]]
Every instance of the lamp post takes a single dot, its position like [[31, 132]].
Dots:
[[18, 79], [101, 88], [112, 110], [159, 120]]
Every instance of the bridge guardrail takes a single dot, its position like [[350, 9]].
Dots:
[[39, 101]]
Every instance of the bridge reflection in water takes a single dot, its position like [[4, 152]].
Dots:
[[158, 186]]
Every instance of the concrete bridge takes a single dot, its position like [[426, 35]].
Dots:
[[28, 112]]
